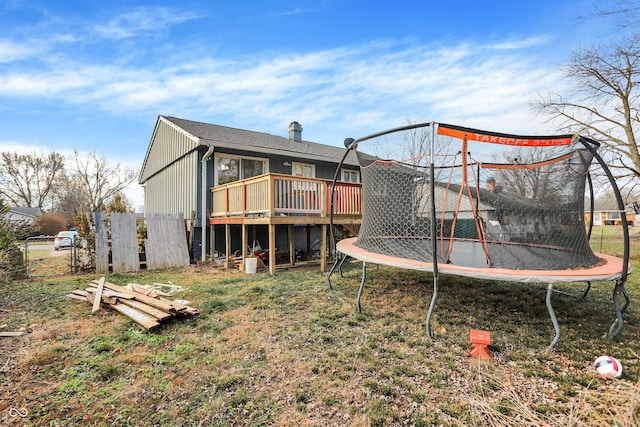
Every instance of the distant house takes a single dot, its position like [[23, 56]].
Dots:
[[27, 215], [606, 212], [262, 180]]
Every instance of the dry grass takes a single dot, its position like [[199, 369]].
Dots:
[[286, 350]]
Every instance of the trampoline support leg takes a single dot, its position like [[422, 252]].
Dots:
[[432, 306], [364, 277], [338, 262], [616, 327], [344, 258], [554, 319], [586, 291]]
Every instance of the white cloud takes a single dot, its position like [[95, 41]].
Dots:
[[21, 147], [522, 43], [379, 80], [142, 20]]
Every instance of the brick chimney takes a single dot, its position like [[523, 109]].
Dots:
[[295, 131]]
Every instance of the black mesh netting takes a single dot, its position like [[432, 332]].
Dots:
[[499, 206]]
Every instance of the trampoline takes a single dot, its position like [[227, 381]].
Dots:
[[429, 211]]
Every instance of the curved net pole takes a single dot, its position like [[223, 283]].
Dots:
[[619, 288], [590, 230], [349, 144], [434, 243], [591, 205]]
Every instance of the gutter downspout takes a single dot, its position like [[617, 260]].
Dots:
[[203, 213]]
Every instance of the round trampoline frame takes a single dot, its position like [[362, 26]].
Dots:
[[609, 268]]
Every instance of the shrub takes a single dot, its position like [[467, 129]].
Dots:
[[51, 223]]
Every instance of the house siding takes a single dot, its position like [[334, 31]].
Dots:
[[168, 145], [176, 189]]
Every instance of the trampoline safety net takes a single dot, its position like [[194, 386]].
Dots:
[[489, 200]]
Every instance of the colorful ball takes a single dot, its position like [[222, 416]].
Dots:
[[608, 366]]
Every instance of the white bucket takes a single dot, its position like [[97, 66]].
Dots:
[[250, 265]]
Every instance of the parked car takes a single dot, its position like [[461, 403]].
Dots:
[[65, 239]]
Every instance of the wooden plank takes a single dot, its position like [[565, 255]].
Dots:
[[80, 292], [11, 333], [144, 320], [166, 243], [159, 303], [102, 242], [107, 300], [124, 242], [147, 309], [109, 293], [98, 296], [76, 296]]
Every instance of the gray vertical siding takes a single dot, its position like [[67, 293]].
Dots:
[[175, 189], [168, 144], [171, 171]]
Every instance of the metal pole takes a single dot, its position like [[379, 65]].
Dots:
[[434, 244]]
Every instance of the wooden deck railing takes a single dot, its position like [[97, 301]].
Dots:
[[276, 195]]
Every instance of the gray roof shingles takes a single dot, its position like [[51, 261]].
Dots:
[[250, 141]]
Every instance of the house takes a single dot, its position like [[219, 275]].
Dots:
[[23, 215], [606, 212], [235, 186]]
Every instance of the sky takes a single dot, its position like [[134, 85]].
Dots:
[[94, 75]]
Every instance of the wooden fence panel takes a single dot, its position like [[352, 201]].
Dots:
[[102, 242], [124, 243], [166, 243]]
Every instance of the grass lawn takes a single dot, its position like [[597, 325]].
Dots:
[[286, 350]]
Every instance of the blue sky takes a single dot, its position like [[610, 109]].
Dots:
[[94, 75]]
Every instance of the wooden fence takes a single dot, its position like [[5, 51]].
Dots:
[[165, 245]]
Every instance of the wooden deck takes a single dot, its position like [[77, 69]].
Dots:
[[276, 199]]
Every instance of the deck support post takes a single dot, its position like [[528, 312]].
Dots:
[[323, 249], [272, 249], [227, 243], [245, 243], [292, 247]]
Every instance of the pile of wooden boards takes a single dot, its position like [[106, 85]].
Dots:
[[147, 311]]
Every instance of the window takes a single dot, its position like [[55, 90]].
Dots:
[[251, 168], [613, 215], [303, 169], [350, 175], [232, 168]]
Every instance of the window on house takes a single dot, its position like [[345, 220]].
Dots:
[[613, 215], [231, 168], [350, 176], [306, 170], [251, 168]]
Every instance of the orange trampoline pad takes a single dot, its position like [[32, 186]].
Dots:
[[610, 268]]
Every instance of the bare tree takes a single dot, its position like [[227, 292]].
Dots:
[[28, 179], [546, 184], [100, 181], [627, 13], [604, 102], [71, 198]]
